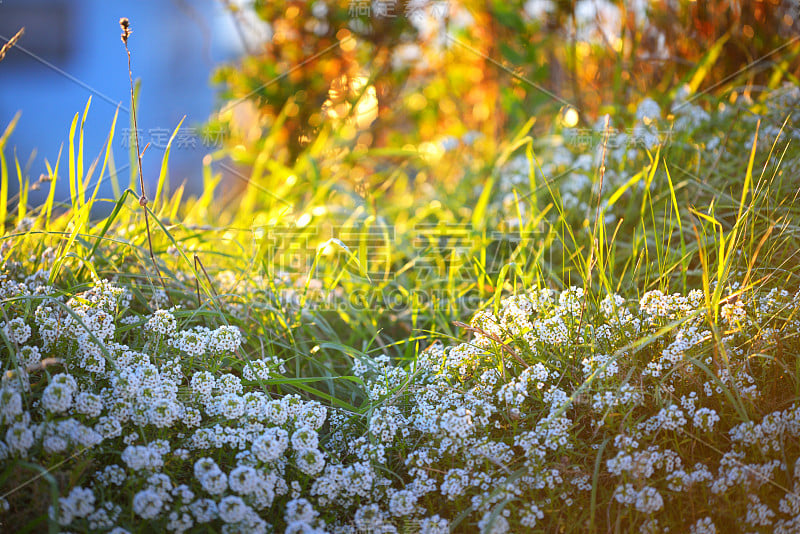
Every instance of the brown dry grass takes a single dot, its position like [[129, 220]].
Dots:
[[11, 42]]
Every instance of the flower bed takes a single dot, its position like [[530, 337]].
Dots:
[[554, 414]]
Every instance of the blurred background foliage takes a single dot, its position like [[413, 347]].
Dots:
[[398, 72]]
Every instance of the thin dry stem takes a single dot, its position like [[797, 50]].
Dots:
[[126, 33]]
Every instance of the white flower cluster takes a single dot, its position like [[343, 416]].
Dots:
[[573, 156], [514, 400], [549, 403], [162, 322], [264, 368]]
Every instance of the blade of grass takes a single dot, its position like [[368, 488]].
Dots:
[[164, 172], [4, 171]]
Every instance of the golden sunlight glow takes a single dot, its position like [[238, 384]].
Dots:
[[340, 94], [570, 117], [328, 249], [431, 152]]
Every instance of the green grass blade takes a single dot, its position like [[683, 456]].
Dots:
[[164, 173], [4, 171]]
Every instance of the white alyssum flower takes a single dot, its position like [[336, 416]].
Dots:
[[402, 503], [494, 523], [232, 509], [304, 438], [147, 504], [193, 342], [310, 461], [225, 339], [29, 356], [58, 395], [142, 458], [162, 322], [88, 403], [434, 525], [244, 480], [204, 510], [299, 510], [17, 331], [79, 502], [19, 439], [269, 446], [649, 500], [705, 419], [10, 405]]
